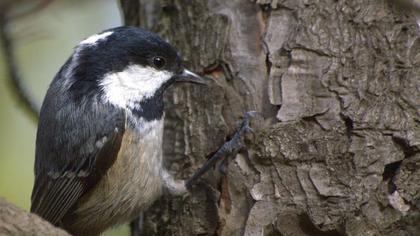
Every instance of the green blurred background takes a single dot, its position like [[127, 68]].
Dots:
[[43, 41]]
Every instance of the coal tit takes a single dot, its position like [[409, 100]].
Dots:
[[98, 159]]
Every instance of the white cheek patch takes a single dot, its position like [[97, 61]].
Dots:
[[132, 85], [95, 38]]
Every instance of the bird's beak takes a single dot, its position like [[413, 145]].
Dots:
[[188, 76]]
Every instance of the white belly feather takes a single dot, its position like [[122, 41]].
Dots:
[[132, 183]]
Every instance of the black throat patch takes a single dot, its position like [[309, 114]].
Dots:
[[151, 108]]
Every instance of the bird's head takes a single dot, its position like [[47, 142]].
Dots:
[[127, 66]]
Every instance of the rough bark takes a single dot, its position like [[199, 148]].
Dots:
[[337, 82], [15, 221]]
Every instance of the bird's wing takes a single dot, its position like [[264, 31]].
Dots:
[[74, 149]]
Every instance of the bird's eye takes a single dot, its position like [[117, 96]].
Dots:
[[159, 62]]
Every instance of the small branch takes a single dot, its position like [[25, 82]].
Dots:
[[15, 221], [22, 94], [35, 8]]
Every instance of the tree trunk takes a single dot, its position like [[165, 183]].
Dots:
[[337, 82]]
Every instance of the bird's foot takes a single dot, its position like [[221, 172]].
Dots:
[[228, 149]]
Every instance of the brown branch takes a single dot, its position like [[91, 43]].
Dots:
[[15, 221], [35, 8], [14, 79]]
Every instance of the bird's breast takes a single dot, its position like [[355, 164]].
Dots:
[[133, 182]]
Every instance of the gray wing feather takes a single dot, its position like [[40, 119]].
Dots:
[[75, 147]]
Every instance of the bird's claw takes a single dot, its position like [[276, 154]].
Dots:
[[223, 165], [227, 150], [250, 114], [249, 130], [245, 124], [236, 141]]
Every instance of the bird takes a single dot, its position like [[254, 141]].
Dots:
[[98, 157]]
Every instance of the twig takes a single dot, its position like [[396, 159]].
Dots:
[[36, 8], [22, 94]]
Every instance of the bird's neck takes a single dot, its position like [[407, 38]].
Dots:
[[149, 108]]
